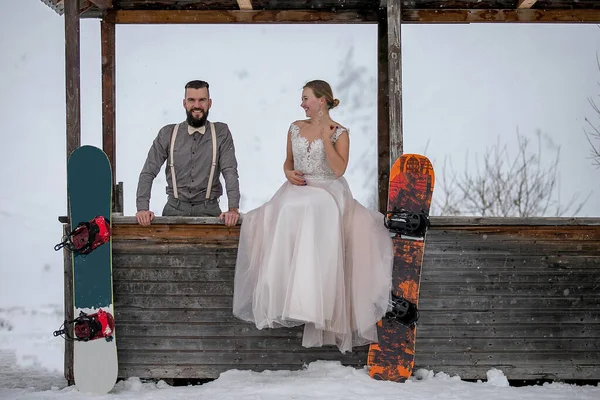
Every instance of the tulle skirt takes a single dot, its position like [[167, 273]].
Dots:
[[313, 255]]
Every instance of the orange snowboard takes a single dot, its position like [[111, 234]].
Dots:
[[411, 188]]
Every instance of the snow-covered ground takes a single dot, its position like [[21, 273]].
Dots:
[[31, 362]]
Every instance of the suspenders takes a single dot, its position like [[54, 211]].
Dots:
[[212, 167]]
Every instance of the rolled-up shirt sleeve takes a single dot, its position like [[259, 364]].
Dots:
[[157, 155], [228, 164]]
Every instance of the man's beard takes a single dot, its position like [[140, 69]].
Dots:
[[196, 122]]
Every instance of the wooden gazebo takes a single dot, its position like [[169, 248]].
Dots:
[[521, 295]]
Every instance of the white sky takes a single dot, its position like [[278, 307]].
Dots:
[[464, 86]]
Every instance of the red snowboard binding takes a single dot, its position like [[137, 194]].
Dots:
[[86, 236], [89, 327]]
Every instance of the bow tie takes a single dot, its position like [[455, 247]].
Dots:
[[200, 130]]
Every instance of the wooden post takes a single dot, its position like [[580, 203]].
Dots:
[[109, 140], [72, 72], [69, 311], [383, 123], [390, 141], [394, 79], [73, 112]]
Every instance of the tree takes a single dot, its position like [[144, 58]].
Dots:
[[592, 131], [504, 184]]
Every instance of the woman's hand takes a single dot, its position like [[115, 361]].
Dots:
[[327, 133], [295, 177]]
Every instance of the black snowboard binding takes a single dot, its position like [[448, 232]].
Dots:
[[407, 222], [402, 311], [88, 327]]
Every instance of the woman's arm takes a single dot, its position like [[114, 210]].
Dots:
[[295, 177], [337, 153]]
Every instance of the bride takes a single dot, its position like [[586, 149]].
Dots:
[[313, 255]]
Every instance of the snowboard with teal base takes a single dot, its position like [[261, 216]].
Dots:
[[89, 186]]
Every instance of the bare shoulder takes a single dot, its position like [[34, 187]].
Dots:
[[296, 125], [301, 122]]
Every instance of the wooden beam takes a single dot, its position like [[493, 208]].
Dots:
[[73, 125], [103, 4], [109, 140], [244, 4], [84, 6], [424, 16], [68, 309], [450, 16], [383, 122], [239, 16], [72, 75], [395, 80], [526, 3]]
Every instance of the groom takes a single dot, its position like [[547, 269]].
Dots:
[[198, 151]]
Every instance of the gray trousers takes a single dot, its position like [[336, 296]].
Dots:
[[178, 208]]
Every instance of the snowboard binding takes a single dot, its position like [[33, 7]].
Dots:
[[87, 236], [402, 311], [89, 327], [407, 222]]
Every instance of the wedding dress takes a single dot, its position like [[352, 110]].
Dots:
[[313, 255]]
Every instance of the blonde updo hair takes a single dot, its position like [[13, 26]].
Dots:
[[323, 89]]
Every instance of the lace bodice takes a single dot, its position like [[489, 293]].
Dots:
[[309, 157]]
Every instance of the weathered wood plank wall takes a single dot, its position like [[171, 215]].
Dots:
[[519, 295], [173, 287], [524, 299]]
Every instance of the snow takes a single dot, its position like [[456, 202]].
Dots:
[[31, 362]]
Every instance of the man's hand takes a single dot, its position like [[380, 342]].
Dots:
[[144, 217], [230, 217]]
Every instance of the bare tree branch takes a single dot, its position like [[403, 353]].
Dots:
[[592, 132], [505, 184]]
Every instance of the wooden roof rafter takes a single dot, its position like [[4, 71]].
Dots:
[[102, 4], [521, 15], [56, 5], [332, 11], [245, 4], [525, 3], [240, 17], [84, 5]]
